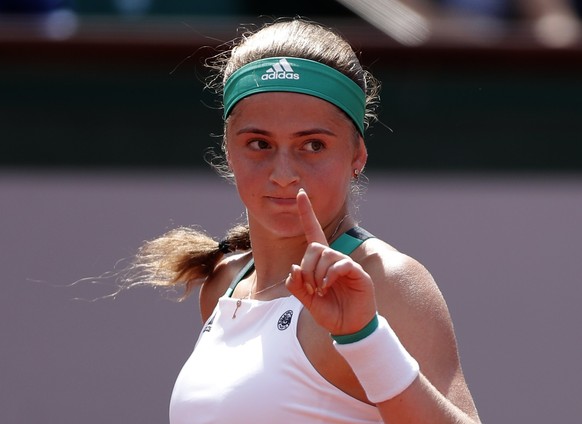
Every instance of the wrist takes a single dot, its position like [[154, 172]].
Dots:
[[358, 335], [381, 363]]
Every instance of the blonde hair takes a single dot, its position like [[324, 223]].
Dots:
[[187, 256]]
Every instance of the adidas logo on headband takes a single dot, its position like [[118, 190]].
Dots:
[[275, 74], [280, 70]]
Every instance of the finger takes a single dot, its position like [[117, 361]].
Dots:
[[297, 286], [309, 265], [311, 226], [347, 270], [328, 258]]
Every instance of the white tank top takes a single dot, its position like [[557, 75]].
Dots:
[[252, 369]]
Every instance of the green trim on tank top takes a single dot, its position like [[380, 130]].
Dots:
[[350, 240]]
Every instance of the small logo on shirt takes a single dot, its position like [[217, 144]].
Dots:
[[285, 320], [208, 326]]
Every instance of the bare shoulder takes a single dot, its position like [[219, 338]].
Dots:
[[218, 283], [401, 281], [410, 299]]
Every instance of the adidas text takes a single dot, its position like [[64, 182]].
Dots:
[[280, 70], [280, 75]]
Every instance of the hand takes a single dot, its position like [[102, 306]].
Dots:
[[335, 289]]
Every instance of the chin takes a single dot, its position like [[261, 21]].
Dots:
[[283, 227]]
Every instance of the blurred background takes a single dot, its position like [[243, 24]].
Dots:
[[475, 169]]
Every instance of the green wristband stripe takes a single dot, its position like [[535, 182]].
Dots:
[[360, 335], [296, 75]]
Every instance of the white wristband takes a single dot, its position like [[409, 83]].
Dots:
[[383, 366]]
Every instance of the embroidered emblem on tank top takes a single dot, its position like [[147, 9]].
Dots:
[[285, 320], [208, 326]]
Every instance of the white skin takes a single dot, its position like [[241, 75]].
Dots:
[[293, 157]]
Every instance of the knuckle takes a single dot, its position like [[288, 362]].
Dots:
[[316, 246], [328, 253]]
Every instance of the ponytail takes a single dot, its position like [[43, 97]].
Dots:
[[186, 257]]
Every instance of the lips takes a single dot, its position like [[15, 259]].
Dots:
[[282, 201]]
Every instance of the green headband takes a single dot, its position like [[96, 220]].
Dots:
[[291, 74]]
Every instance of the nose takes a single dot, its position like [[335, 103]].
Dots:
[[284, 171]]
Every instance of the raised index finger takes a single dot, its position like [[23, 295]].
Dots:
[[311, 226]]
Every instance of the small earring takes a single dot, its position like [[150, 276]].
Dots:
[[356, 173]]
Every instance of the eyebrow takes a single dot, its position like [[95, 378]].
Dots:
[[311, 131]]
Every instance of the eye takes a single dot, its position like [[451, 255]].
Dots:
[[259, 144], [314, 145]]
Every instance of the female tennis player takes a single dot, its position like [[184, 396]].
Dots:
[[308, 318]]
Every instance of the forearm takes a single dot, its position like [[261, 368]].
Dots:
[[421, 403], [391, 378]]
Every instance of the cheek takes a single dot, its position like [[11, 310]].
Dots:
[[245, 192], [331, 182], [337, 171], [247, 180], [242, 179]]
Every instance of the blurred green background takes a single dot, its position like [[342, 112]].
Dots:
[[126, 89]]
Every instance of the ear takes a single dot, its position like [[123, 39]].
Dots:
[[360, 155]]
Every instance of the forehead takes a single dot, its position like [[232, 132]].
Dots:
[[283, 108]]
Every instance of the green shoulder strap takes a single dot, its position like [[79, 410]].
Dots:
[[350, 240]]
